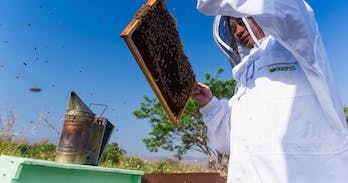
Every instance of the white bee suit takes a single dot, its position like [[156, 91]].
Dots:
[[285, 123]]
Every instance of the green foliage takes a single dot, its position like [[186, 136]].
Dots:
[[112, 154], [220, 88], [191, 133], [164, 166], [170, 166], [41, 150], [346, 112], [134, 163]]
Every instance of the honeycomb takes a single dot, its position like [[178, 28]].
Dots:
[[159, 44]]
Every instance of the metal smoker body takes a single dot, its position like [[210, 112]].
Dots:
[[83, 134]]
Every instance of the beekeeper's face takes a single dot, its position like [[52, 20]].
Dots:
[[242, 34]]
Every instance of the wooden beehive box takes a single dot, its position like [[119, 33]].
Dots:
[[154, 41]]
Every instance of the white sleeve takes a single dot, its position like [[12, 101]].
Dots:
[[216, 114], [291, 22]]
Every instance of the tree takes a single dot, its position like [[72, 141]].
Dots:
[[346, 112], [191, 133]]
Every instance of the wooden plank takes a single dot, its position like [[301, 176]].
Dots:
[[183, 177], [156, 46]]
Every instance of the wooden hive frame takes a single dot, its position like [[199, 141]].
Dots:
[[186, 80]]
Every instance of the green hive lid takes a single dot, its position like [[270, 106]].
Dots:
[[25, 170]]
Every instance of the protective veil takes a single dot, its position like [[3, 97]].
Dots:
[[223, 36], [285, 123]]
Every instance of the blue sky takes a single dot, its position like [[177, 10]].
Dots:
[[63, 46]]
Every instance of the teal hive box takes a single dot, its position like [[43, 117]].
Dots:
[[25, 170]]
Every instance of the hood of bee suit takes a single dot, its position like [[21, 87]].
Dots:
[[223, 36]]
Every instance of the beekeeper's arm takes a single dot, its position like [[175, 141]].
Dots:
[[291, 22], [216, 114]]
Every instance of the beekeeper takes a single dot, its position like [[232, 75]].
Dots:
[[285, 122]]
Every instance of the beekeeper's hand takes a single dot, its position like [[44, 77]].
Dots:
[[202, 95]]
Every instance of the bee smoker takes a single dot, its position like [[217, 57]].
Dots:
[[84, 136]]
